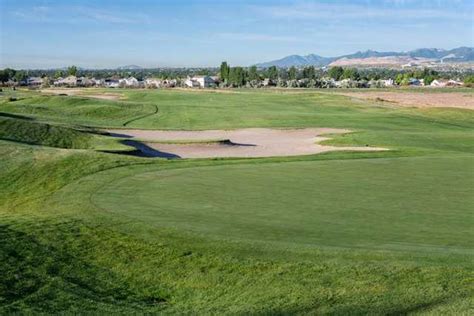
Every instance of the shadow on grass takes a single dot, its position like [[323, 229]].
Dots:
[[142, 150], [16, 116]]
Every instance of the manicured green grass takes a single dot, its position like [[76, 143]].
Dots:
[[387, 204], [337, 233]]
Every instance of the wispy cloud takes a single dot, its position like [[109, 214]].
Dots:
[[78, 14], [258, 37], [330, 11]]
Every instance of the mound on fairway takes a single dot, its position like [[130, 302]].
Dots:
[[31, 132], [250, 142]]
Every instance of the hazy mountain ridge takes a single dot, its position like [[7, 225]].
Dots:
[[460, 54], [129, 67]]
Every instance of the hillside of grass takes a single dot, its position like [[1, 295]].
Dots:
[[76, 110], [24, 130], [36, 133]]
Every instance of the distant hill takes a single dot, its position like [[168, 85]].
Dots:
[[298, 61], [129, 67], [375, 58]]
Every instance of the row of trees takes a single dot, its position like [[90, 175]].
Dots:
[[8, 74], [12, 74], [428, 75], [240, 76]]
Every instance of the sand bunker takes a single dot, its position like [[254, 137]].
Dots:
[[83, 93], [422, 100], [250, 142]]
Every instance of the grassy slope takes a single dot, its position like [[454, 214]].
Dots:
[[27, 131], [119, 263]]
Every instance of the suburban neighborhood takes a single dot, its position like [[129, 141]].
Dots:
[[200, 82]]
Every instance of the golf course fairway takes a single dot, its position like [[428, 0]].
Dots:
[[90, 226]]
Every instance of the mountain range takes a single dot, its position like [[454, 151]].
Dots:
[[369, 57]]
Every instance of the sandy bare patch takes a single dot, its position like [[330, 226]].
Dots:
[[206, 90], [84, 93], [422, 100], [250, 142]]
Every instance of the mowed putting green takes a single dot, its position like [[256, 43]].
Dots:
[[405, 203]]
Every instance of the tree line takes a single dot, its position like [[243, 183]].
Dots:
[[239, 76], [249, 76]]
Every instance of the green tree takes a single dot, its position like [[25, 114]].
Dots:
[[20, 76], [336, 72], [406, 79], [72, 71], [469, 81], [253, 74], [272, 73], [292, 73], [309, 72], [58, 74], [3, 76], [7, 74], [428, 79], [237, 76], [351, 73], [224, 71], [428, 75], [399, 79]]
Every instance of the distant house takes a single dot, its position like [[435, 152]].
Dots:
[[191, 83], [34, 81], [414, 82], [111, 83], [70, 81], [153, 83], [10, 83], [98, 82], [200, 82], [439, 83], [344, 83], [85, 82], [454, 83], [131, 82], [388, 82], [446, 83], [268, 82], [205, 81], [170, 83], [58, 81]]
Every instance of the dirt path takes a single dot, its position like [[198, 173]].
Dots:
[[251, 142], [83, 93], [421, 100]]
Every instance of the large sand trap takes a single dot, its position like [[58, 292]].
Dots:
[[83, 93], [250, 142], [422, 100]]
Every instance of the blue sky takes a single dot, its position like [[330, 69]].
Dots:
[[106, 33]]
